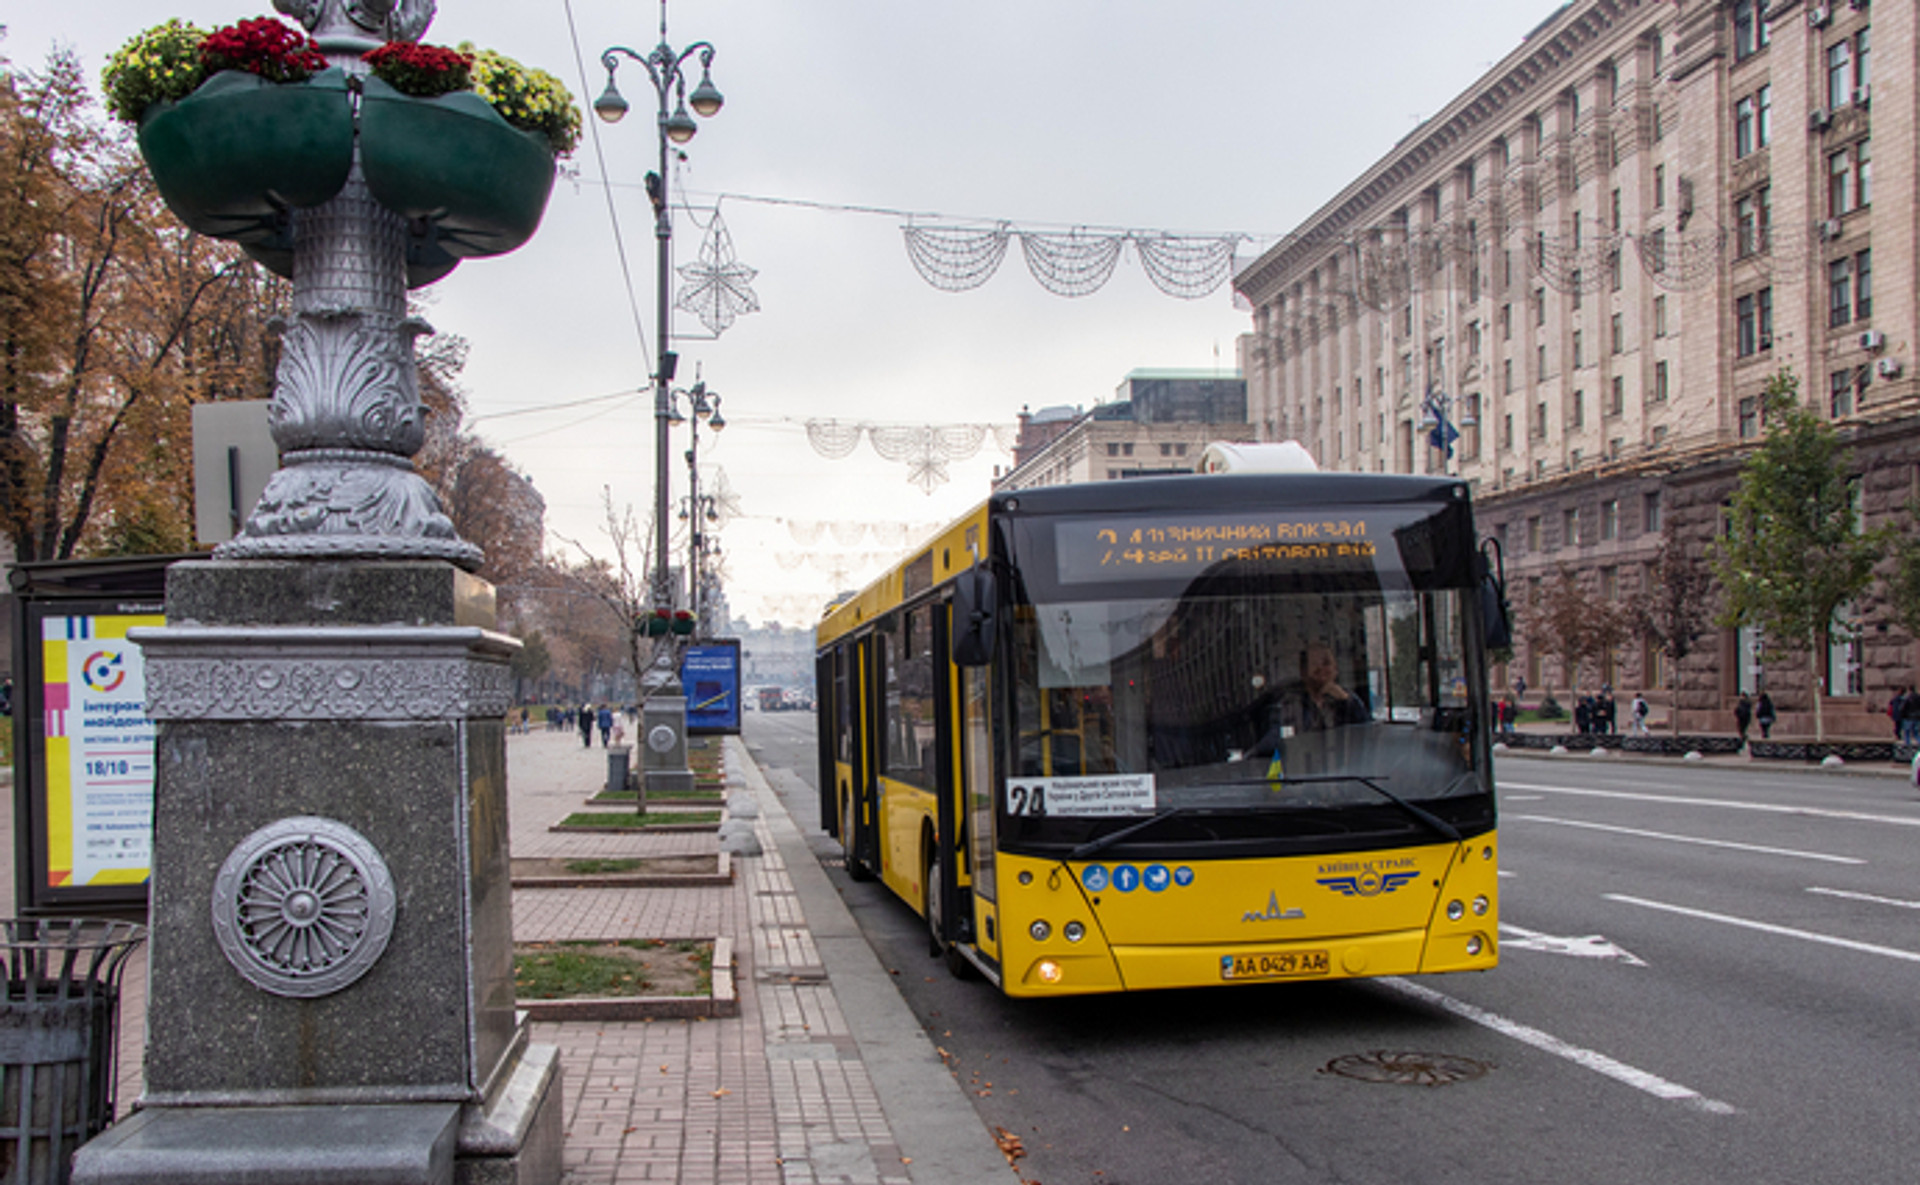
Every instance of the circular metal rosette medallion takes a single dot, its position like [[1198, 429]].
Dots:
[[303, 907]]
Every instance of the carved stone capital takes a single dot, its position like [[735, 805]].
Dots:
[[347, 380], [327, 673], [339, 503]]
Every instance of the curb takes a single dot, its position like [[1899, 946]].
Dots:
[[634, 880], [1741, 764], [721, 1000]]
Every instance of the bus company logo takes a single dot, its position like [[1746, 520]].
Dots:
[[1273, 912], [105, 671], [1369, 883]]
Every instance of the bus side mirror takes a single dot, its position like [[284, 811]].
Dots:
[[973, 617]]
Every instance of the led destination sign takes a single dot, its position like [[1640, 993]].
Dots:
[[1121, 548]]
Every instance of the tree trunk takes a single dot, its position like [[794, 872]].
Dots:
[[1813, 685]]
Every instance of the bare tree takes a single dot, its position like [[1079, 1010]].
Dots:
[[1675, 607]]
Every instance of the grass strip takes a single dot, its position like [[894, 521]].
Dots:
[[615, 821]]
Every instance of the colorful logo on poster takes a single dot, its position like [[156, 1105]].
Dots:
[[105, 671]]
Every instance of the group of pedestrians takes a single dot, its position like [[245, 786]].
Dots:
[[1747, 713], [613, 730], [1904, 710]]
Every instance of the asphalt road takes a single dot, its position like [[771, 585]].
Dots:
[[1708, 974]]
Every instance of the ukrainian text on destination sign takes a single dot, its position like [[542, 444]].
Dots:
[[1095, 549]]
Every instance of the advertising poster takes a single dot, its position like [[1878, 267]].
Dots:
[[99, 748], [710, 673]]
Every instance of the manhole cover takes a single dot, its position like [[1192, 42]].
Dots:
[[1407, 1069]]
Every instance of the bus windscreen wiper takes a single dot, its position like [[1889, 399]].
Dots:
[[1432, 820], [1113, 837]]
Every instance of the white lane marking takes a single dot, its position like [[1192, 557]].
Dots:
[[1522, 797], [1851, 896], [1599, 1063], [1766, 807], [1891, 952], [1590, 946], [1689, 839]]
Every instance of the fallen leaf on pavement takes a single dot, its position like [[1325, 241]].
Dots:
[[1011, 1146]]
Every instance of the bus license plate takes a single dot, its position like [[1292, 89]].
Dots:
[[1284, 965]]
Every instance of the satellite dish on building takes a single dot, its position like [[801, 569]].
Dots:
[[1288, 456]]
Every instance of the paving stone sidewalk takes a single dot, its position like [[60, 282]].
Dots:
[[786, 1093]]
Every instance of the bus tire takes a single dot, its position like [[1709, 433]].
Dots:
[[958, 965]]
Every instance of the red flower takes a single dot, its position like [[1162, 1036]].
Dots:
[[423, 71], [265, 47]]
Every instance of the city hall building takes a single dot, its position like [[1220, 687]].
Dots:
[[1591, 262]]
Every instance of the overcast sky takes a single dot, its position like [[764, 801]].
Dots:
[[1201, 116]]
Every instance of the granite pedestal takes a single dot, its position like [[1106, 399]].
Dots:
[[331, 908]]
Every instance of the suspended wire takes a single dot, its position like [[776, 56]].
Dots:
[[606, 187], [631, 399], [541, 408]]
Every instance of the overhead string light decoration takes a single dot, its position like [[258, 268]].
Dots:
[[1076, 263], [926, 449], [718, 286]]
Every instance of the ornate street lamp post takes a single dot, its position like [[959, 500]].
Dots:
[[703, 404], [666, 69]]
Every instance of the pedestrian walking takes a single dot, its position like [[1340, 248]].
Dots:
[[1764, 715], [1606, 711], [585, 720], [604, 718], [1910, 718], [1639, 713], [1742, 717], [1583, 715]]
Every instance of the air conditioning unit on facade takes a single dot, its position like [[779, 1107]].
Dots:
[[1819, 15], [1887, 368], [1830, 229], [1818, 120], [1873, 339]]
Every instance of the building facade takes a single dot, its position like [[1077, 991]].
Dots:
[[1159, 423], [1592, 262]]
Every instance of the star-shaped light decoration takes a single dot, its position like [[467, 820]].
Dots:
[[717, 288]]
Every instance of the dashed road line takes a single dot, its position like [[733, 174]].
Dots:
[[1669, 837], [1891, 952]]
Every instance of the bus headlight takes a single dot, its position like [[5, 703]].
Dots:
[[1456, 910], [1048, 971], [1040, 931], [1474, 944], [1480, 906], [1074, 931]]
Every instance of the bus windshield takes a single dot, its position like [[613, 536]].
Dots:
[[1136, 706]]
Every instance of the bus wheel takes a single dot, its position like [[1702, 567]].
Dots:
[[958, 965]]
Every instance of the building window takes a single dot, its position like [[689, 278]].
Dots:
[[1126, 450], [1506, 376], [1570, 527], [1615, 273], [1863, 285], [1749, 417], [1539, 307], [1506, 430], [1576, 233], [1577, 418], [1840, 394], [1752, 220], [1660, 381], [1839, 74], [1609, 524], [1576, 281], [1839, 292], [1650, 511], [1506, 322], [1617, 396], [1113, 448], [1850, 179], [1660, 316], [1753, 122], [1749, 28], [1753, 319], [1613, 211], [1617, 331], [1540, 418], [1659, 187], [1540, 362], [1533, 533]]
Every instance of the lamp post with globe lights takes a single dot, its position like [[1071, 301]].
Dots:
[[667, 70]]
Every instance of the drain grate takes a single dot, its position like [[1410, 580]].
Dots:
[[833, 861], [1407, 1069]]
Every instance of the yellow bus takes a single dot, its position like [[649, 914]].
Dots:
[[1178, 731]]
